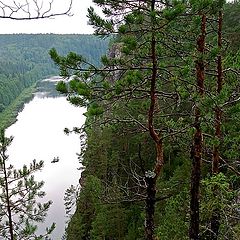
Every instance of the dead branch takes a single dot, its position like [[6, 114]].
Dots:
[[30, 9]]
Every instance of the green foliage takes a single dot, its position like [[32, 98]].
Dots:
[[94, 110], [19, 198], [171, 13], [231, 25], [103, 27], [81, 221], [62, 87], [152, 44], [218, 195], [206, 5], [175, 223], [215, 200]]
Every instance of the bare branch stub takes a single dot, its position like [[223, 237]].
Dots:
[[32, 9]]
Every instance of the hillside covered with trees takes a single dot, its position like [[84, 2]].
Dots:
[[161, 156], [24, 60]]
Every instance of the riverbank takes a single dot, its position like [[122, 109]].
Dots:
[[46, 86], [9, 115]]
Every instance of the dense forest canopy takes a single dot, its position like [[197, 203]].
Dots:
[[161, 144], [161, 159], [24, 59]]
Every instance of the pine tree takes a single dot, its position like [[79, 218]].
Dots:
[[133, 72], [158, 70], [19, 195]]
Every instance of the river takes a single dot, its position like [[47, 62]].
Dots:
[[38, 134]]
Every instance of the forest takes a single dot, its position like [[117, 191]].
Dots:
[[161, 156], [24, 61], [160, 146]]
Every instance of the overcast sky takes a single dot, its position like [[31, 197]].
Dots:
[[61, 24]]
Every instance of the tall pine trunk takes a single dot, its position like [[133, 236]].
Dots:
[[215, 219], [151, 180], [150, 207], [196, 153], [152, 176]]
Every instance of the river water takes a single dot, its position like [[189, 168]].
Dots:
[[38, 134]]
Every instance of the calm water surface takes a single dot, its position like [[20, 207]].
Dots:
[[38, 134]]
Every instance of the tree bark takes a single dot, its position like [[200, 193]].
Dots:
[[196, 153], [151, 179], [150, 208], [215, 219], [215, 224], [195, 182], [152, 176]]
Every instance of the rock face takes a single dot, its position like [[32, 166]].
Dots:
[[82, 179], [115, 53]]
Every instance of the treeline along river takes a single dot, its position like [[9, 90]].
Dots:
[[38, 134], [24, 59]]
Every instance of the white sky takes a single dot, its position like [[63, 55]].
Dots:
[[60, 24]]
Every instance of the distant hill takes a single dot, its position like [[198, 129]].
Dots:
[[24, 60]]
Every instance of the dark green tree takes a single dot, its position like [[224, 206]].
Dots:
[[132, 72], [157, 84]]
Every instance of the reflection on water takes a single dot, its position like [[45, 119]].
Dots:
[[38, 134]]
